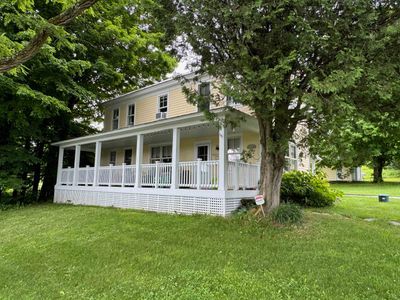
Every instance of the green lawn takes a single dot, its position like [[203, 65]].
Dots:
[[367, 188], [59, 251], [389, 174]]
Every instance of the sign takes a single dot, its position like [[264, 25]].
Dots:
[[259, 199]]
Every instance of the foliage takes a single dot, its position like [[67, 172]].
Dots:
[[86, 252], [306, 189], [370, 134], [287, 214], [22, 11], [291, 62], [118, 46]]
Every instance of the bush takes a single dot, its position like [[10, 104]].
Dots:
[[306, 189], [287, 213]]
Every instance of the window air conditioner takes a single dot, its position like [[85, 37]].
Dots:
[[161, 115]]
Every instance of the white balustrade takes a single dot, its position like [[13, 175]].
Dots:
[[156, 175], [67, 176], [198, 174], [243, 175], [192, 174]]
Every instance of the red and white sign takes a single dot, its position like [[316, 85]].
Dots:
[[259, 199]]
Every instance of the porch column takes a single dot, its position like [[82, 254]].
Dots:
[[176, 140], [97, 159], [60, 164], [76, 164], [223, 159], [139, 159]]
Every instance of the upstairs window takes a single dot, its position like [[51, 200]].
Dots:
[[205, 92], [113, 157], [115, 119], [131, 115], [163, 103]]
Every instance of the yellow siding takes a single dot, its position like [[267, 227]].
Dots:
[[331, 174], [107, 119], [252, 138], [187, 149], [146, 109], [177, 105], [122, 115]]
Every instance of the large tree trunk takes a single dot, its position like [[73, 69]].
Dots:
[[272, 165], [49, 175], [37, 171], [378, 164]]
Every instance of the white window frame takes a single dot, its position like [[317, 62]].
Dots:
[[158, 145], [129, 115], [109, 157], [131, 155], [230, 102], [113, 119], [204, 143], [294, 159], [158, 102], [240, 145], [199, 91]]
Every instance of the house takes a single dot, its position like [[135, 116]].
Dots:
[[158, 153], [344, 174]]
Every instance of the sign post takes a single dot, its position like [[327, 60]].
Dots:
[[260, 201]]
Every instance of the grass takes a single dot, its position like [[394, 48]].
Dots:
[[58, 251], [389, 174], [367, 188]]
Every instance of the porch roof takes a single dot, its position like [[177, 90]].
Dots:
[[165, 124]]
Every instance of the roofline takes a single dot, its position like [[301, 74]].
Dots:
[[144, 128]]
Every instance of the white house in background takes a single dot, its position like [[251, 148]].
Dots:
[[158, 153]]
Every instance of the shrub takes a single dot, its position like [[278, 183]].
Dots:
[[306, 189], [287, 213]]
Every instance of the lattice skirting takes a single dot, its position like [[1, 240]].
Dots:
[[149, 202]]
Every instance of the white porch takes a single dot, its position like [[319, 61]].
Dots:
[[200, 175], [212, 186]]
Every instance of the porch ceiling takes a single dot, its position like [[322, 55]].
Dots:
[[154, 132]]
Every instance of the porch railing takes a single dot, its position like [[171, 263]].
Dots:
[[243, 175], [191, 174], [198, 174], [156, 175]]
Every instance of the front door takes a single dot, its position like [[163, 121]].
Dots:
[[203, 152]]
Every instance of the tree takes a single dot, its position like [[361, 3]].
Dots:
[[370, 132], [288, 61], [44, 30], [119, 46]]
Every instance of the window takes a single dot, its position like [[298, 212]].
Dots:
[[230, 101], [163, 103], [115, 119], [131, 115], [128, 156], [204, 91], [234, 153], [291, 158], [203, 152], [113, 157], [161, 154]]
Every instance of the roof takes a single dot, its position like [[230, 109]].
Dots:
[[169, 123]]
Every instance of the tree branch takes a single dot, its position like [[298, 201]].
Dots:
[[34, 46]]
